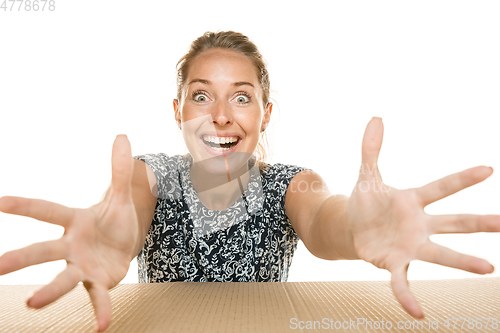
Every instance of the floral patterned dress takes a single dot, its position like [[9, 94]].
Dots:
[[251, 241]]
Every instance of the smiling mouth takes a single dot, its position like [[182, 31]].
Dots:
[[220, 143]]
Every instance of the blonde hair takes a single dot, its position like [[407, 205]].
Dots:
[[240, 43]]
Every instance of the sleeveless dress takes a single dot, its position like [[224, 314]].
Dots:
[[251, 241]]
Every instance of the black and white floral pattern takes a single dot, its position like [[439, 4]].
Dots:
[[251, 241]]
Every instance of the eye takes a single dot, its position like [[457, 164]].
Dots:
[[199, 96], [243, 98]]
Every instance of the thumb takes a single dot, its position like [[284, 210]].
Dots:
[[122, 165], [372, 142]]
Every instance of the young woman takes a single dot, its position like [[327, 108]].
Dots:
[[220, 213]]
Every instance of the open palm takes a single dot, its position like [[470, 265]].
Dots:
[[98, 242], [390, 227]]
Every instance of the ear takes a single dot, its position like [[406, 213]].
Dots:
[[269, 108], [267, 114], [177, 111]]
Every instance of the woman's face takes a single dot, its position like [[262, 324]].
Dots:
[[221, 111]]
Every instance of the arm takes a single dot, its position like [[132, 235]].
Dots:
[[383, 225], [319, 218], [98, 243], [144, 197]]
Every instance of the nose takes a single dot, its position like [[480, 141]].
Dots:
[[222, 114]]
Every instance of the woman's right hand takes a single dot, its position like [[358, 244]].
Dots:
[[98, 243]]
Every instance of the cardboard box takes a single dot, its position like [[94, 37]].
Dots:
[[264, 307]]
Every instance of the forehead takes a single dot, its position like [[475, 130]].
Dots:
[[222, 66]]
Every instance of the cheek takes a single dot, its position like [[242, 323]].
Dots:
[[188, 114], [189, 111], [250, 123], [191, 128]]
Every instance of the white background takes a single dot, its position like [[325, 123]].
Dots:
[[74, 78]]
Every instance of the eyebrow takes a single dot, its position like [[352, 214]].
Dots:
[[236, 84]]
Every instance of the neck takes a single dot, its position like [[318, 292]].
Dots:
[[219, 191]]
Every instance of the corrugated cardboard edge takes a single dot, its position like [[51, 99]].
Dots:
[[261, 307]]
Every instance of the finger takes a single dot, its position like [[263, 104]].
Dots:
[[122, 165], [399, 284], [437, 254], [38, 209], [32, 255], [372, 142], [448, 185], [102, 304], [63, 283], [461, 223]]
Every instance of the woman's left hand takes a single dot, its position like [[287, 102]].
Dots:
[[390, 227]]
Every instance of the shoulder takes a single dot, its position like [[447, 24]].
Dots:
[[162, 163], [160, 160], [279, 172], [164, 171], [277, 177]]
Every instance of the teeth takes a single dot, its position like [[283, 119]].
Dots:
[[220, 140], [220, 148]]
